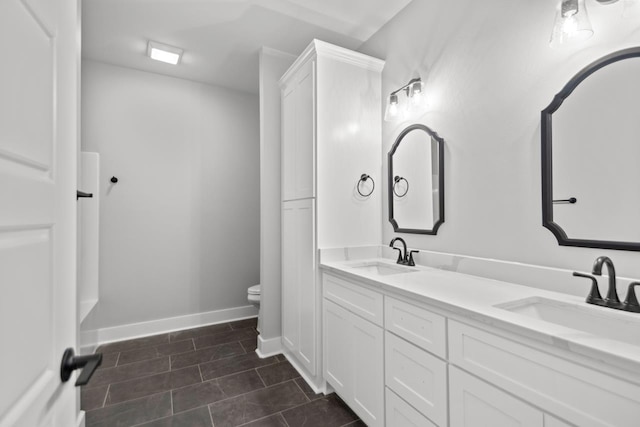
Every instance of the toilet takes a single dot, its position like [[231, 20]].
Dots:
[[253, 295]]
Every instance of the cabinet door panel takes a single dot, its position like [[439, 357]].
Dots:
[[475, 403], [288, 143], [368, 367], [305, 132], [417, 325], [400, 414], [337, 348], [290, 294], [357, 299], [306, 284], [418, 377]]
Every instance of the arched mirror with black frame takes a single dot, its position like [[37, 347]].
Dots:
[[416, 181], [591, 154]]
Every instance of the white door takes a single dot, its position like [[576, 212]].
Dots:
[[38, 149]]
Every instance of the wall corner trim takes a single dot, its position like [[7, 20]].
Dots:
[[269, 347], [136, 330]]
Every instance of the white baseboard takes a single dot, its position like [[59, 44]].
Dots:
[[268, 348], [92, 338], [317, 384]]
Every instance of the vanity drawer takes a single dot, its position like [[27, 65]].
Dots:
[[400, 414], [566, 389], [418, 377], [365, 303], [417, 325]]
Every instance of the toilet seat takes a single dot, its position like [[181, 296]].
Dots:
[[254, 290]]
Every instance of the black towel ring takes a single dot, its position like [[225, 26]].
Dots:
[[363, 178], [396, 181]]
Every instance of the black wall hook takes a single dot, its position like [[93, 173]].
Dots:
[[364, 178], [114, 180]]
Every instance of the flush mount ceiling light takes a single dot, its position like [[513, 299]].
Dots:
[[572, 22], [416, 101], [164, 53]]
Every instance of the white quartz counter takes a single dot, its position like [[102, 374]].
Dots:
[[476, 298]]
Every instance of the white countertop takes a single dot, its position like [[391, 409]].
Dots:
[[475, 298]]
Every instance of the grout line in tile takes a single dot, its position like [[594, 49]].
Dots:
[[131, 400], [171, 397], [200, 370], [262, 418], [260, 376], [298, 385], [104, 401], [210, 416], [117, 360]]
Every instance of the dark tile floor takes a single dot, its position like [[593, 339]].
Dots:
[[204, 377]]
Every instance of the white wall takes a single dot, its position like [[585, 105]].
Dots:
[[489, 71], [273, 64], [179, 232]]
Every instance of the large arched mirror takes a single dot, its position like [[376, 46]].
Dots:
[[416, 181], [590, 155]]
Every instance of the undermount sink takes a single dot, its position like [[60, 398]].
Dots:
[[597, 321], [381, 268]]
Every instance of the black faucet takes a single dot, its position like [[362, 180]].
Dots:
[[402, 253], [611, 299], [404, 257]]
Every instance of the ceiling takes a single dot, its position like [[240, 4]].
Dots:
[[222, 38]]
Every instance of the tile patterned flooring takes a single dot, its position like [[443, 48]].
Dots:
[[204, 377]]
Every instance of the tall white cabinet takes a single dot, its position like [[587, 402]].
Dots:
[[331, 135]]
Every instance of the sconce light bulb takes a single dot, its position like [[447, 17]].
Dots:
[[569, 8], [572, 23], [392, 112]]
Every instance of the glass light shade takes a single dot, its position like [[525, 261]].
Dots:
[[572, 23], [392, 112], [417, 99], [631, 9]]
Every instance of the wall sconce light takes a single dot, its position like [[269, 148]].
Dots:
[[416, 101], [572, 22]]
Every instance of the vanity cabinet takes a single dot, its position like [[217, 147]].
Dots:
[[331, 134], [445, 369]]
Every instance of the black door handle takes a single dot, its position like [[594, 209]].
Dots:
[[71, 362], [82, 194]]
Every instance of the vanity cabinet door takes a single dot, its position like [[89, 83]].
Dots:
[[354, 361], [337, 347], [474, 403], [368, 367]]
